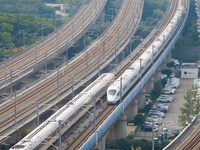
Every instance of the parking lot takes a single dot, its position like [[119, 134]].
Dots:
[[171, 117]]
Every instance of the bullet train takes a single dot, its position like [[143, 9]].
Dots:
[[132, 74], [49, 127]]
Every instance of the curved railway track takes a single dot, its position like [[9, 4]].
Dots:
[[31, 60], [47, 89], [163, 23]]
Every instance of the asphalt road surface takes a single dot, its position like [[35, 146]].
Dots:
[[171, 117]]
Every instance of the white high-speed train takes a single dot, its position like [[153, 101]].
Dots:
[[49, 127], [131, 75]]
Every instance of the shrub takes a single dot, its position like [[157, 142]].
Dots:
[[139, 118]]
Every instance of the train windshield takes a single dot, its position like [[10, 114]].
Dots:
[[112, 92]]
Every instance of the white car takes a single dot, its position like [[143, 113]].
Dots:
[[175, 82], [169, 90], [155, 118], [164, 100], [162, 106], [166, 96], [172, 75]]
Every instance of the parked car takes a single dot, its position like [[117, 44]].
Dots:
[[176, 62], [150, 123], [161, 110], [156, 112], [166, 96], [162, 106], [172, 74], [175, 132], [164, 100], [169, 90], [147, 99], [174, 82], [163, 76], [155, 118], [148, 128]]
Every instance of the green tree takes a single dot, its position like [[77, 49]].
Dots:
[[191, 94], [139, 118], [167, 71], [88, 40], [25, 132]]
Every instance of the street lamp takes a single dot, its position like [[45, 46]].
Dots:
[[23, 32], [42, 28], [6, 66]]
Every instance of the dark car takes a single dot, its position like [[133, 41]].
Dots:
[[175, 132], [148, 127]]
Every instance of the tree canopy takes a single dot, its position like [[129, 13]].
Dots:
[[34, 7], [184, 118], [12, 26]]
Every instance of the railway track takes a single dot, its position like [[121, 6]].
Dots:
[[169, 14], [33, 58], [47, 91], [193, 143]]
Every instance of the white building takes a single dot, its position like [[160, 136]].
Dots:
[[189, 70]]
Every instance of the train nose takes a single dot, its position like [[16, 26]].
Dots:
[[111, 99]]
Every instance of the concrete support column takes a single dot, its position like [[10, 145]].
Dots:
[[157, 75], [113, 132], [57, 62], [119, 129], [101, 143], [142, 99], [168, 57], [164, 64], [121, 56], [149, 85], [132, 109], [122, 131]]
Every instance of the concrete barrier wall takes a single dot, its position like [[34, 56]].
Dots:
[[172, 145]]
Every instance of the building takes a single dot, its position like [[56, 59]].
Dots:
[[189, 70]]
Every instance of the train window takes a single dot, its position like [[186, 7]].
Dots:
[[118, 93], [112, 92]]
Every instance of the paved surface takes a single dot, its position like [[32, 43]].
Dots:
[[171, 117]]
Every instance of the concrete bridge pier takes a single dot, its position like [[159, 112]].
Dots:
[[132, 108], [122, 133], [168, 57], [57, 62], [163, 64], [142, 99], [119, 129], [149, 85], [100, 145], [157, 74], [121, 56]]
